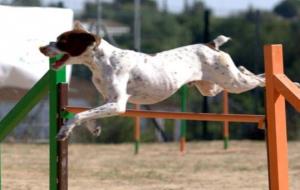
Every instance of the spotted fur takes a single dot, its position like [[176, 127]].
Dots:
[[123, 76]]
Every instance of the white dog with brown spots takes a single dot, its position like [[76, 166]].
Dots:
[[123, 76]]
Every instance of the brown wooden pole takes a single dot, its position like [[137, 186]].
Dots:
[[62, 160], [226, 123], [137, 131]]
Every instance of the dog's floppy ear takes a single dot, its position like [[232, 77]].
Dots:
[[97, 39], [78, 26]]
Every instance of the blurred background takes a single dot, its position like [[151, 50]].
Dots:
[[166, 24]]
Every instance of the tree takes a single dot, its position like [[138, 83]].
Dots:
[[35, 3], [287, 9], [192, 21], [59, 4], [162, 30]]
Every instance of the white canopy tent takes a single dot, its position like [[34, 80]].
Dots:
[[23, 31]]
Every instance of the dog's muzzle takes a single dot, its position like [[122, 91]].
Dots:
[[51, 51]]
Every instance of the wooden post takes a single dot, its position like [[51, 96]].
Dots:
[[226, 123], [276, 120], [62, 161], [137, 131]]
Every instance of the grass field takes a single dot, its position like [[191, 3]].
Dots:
[[157, 167]]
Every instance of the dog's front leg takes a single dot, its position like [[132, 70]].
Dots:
[[116, 105], [107, 110]]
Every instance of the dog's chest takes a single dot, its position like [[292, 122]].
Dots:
[[100, 86]]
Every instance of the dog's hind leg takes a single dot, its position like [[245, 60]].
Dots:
[[260, 76], [235, 79], [242, 83]]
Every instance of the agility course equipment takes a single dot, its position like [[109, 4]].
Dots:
[[226, 123], [51, 83], [183, 123], [184, 91], [278, 87]]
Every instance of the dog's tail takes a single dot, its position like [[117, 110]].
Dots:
[[218, 42]]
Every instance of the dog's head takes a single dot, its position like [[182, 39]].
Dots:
[[73, 45]]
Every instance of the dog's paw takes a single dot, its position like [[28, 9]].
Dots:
[[63, 134], [62, 137], [97, 131]]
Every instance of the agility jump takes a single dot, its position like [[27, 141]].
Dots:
[[278, 87], [123, 76]]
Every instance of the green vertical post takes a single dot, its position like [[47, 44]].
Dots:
[[226, 142], [183, 93], [136, 147], [0, 168], [55, 78]]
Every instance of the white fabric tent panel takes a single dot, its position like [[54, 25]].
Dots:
[[23, 31]]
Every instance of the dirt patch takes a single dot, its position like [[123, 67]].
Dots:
[[157, 167]]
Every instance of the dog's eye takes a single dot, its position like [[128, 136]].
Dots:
[[61, 44], [63, 41]]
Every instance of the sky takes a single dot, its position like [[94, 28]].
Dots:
[[219, 7]]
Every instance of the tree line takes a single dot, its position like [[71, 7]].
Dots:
[[163, 30]]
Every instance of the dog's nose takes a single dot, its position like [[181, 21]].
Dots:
[[43, 49]]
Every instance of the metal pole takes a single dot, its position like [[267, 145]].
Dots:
[[62, 162], [186, 5], [137, 47], [56, 77], [206, 38], [99, 17], [137, 25], [257, 58], [165, 6], [183, 94]]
